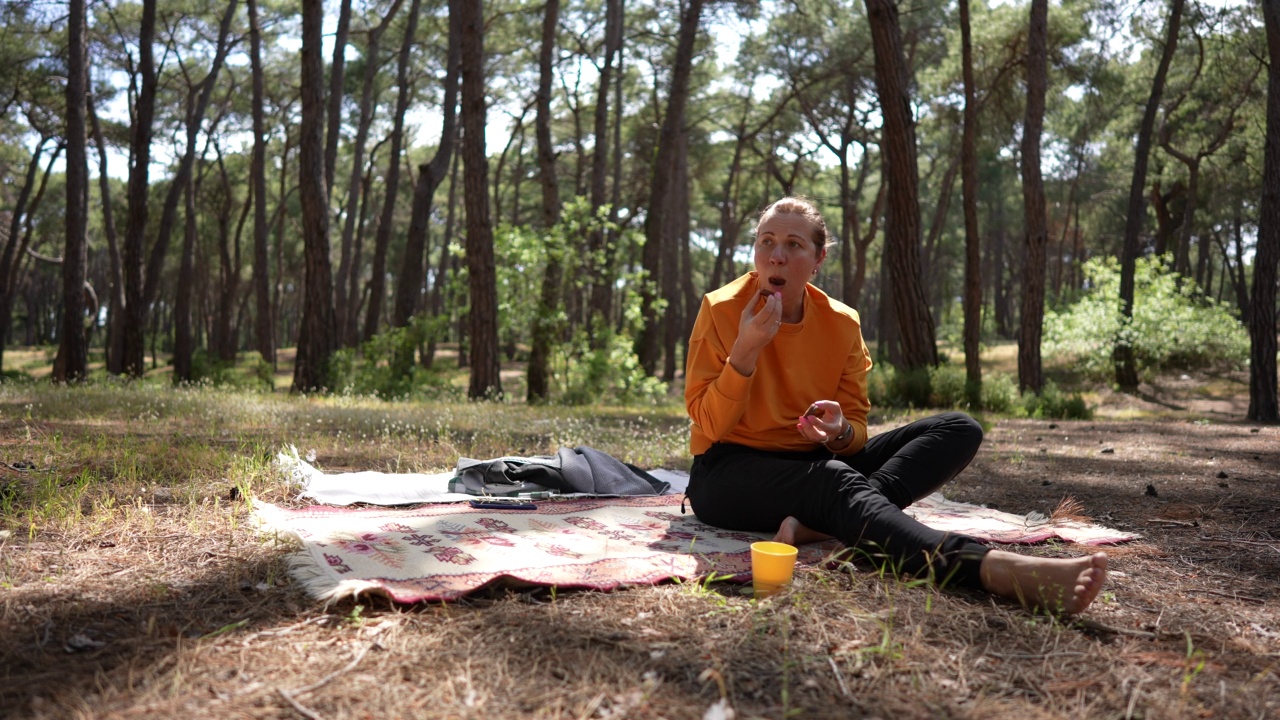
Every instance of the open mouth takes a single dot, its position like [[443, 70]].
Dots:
[[777, 282]]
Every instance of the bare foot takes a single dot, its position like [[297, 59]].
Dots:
[[1056, 586], [792, 532]]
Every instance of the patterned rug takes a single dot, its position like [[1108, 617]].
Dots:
[[444, 551]]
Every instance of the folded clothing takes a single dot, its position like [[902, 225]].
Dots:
[[582, 470]]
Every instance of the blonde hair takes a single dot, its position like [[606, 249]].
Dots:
[[805, 208]]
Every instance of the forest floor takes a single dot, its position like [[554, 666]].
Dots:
[[131, 584]]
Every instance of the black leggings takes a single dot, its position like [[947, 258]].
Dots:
[[856, 499]]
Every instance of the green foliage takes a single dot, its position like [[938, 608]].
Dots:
[[998, 393], [385, 366], [611, 373], [521, 257], [15, 376], [946, 386], [209, 370], [1052, 403], [1173, 325]]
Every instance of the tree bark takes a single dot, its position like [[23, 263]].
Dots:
[[15, 245], [114, 349], [648, 345], [1125, 364], [430, 177], [183, 339], [136, 222], [347, 302], [483, 314], [969, 201], [545, 321], [1030, 368], [444, 270], [391, 181], [597, 320], [263, 327], [317, 337], [224, 327], [168, 215], [676, 235], [1262, 322], [902, 223], [337, 82], [72, 364]]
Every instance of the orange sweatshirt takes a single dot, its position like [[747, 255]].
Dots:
[[820, 358]]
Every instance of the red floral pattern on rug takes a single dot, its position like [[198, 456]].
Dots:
[[442, 552]]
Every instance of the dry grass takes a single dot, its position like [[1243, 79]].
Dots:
[[132, 586]]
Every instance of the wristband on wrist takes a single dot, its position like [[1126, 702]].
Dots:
[[844, 435]]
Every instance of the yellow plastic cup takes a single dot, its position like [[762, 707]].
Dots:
[[772, 566]]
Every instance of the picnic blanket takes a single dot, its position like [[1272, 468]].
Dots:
[[440, 551]]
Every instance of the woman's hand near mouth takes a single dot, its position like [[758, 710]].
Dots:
[[755, 330]]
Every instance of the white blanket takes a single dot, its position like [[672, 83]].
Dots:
[[380, 488]]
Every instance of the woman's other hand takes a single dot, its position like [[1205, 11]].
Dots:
[[822, 422], [755, 330]]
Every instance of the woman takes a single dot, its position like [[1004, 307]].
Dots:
[[776, 387]]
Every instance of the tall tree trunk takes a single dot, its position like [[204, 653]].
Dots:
[[862, 242], [337, 82], [73, 354], [263, 328], [545, 321], [604, 298], [597, 319], [676, 255], [183, 337], [648, 345], [969, 200], [195, 117], [391, 181], [730, 213], [444, 270], [14, 245], [346, 293], [483, 324], [278, 284], [115, 304], [1000, 291], [1125, 363], [1262, 321], [136, 222], [689, 296], [430, 176], [902, 223], [225, 338], [1030, 369], [317, 337]]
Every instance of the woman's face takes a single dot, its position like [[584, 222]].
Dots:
[[786, 256]]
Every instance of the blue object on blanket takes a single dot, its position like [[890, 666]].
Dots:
[[571, 470]]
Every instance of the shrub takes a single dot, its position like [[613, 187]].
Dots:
[[944, 386], [1173, 325], [880, 386], [612, 372], [999, 392], [15, 376], [386, 368], [1052, 403], [947, 387], [207, 369]]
